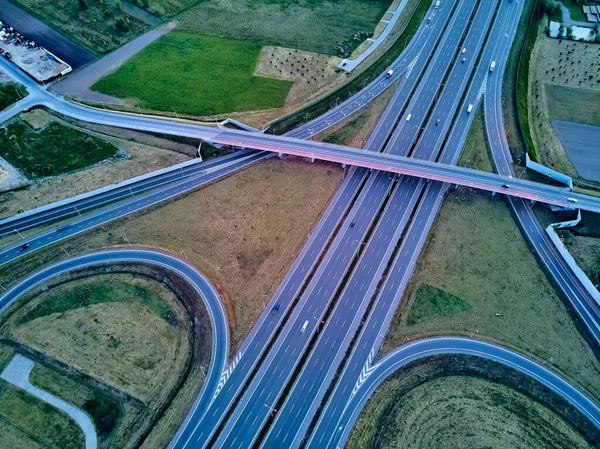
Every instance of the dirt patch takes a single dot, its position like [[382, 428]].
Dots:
[[557, 65], [244, 232], [312, 73], [144, 158]]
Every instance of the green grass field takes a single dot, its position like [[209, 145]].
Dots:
[[459, 412], [28, 423], [11, 93], [314, 25], [94, 26], [196, 75], [54, 150], [476, 253]]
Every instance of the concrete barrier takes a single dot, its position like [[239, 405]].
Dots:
[[560, 177], [564, 252]]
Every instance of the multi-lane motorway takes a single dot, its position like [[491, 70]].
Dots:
[[341, 292]]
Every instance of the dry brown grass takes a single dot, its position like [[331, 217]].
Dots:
[[124, 344], [313, 74], [476, 252], [243, 232]]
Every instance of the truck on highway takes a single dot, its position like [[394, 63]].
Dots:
[[492, 66], [469, 109], [304, 326], [437, 4], [389, 73]]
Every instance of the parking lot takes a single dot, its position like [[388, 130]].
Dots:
[[29, 56]]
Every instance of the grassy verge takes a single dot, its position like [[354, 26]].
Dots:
[[98, 26], [11, 93], [458, 401], [475, 252], [324, 26], [52, 151], [475, 153], [509, 84], [196, 75], [536, 18], [416, 12], [243, 232], [26, 420]]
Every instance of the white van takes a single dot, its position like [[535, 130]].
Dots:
[[437, 4], [389, 73], [408, 117], [304, 326], [469, 109]]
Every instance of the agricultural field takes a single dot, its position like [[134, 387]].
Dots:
[[565, 85], [322, 26], [53, 150], [464, 410], [98, 26], [10, 93], [195, 75], [117, 346], [477, 277]]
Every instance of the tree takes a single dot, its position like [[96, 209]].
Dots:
[[83, 4], [570, 32], [551, 6], [122, 25]]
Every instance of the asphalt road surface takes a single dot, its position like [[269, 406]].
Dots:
[[408, 353], [67, 50], [214, 306], [268, 322]]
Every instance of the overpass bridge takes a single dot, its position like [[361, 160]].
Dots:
[[534, 191]]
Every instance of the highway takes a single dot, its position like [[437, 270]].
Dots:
[[134, 203], [292, 418], [411, 352], [374, 202], [329, 274], [101, 197], [214, 306]]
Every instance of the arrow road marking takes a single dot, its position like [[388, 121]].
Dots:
[[365, 373], [226, 374]]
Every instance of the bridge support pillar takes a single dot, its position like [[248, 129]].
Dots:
[[343, 165], [493, 193], [312, 160]]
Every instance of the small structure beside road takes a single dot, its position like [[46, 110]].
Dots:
[[33, 59]]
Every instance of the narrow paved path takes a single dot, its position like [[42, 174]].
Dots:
[[77, 85], [17, 373], [350, 64]]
